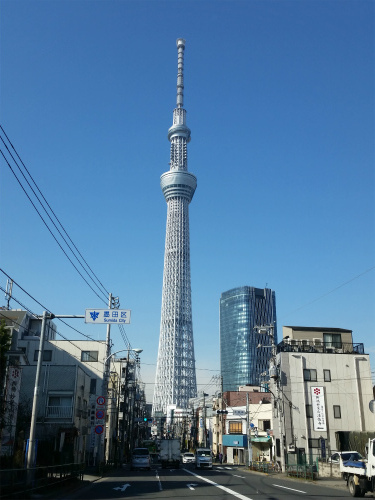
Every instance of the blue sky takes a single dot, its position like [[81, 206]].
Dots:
[[280, 102]]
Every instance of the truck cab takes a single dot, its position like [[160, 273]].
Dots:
[[360, 474]]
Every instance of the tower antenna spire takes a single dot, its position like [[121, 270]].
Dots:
[[180, 71]]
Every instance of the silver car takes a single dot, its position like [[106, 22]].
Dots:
[[141, 459], [188, 458]]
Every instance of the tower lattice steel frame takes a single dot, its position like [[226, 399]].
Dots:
[[175, 373]]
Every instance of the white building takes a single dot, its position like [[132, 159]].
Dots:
[[322, 387]]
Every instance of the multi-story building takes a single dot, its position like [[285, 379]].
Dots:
[[242, 425], [322, 388], [244, 352]]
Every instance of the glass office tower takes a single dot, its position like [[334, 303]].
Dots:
[[243, 357]]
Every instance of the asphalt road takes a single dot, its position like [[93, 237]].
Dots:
[[220, 483]]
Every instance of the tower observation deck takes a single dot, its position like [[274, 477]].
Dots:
[[175, 379]]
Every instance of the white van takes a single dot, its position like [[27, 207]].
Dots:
[[203, 458]]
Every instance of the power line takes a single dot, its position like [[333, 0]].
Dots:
[[331, 291], [101, 287]]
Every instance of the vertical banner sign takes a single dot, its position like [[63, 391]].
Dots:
[[12, 394], [319, 409]]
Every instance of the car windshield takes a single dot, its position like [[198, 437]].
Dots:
[[189, 454], [351, 456], [203, 453], [141, 451]]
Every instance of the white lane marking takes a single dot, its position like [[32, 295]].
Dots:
[[231, 492], [242, 477], [229, 468], [158, 478], [285, 487], [190, 486], [122, 488]]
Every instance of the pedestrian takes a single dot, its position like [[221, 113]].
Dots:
[[220, 458]]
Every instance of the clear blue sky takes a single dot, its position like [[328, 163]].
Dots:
[[280, 102]]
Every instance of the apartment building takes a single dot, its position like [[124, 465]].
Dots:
[[322, 386]]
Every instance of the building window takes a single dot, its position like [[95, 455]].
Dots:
[[47, 355], [332, 340], [337, 411], [309, 412], [327, 375], [264, 425], [93, 386], [314, 443], [309, 375], [235, 427], [88, 356]]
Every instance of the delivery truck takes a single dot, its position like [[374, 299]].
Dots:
[[170, 453]]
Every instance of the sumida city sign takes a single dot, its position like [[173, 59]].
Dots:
[[101, 316]]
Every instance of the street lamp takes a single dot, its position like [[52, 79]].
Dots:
[[137, 351]]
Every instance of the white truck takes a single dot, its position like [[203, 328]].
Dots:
[[170, 453], [360, 474]]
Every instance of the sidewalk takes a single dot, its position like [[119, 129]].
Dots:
[[334, 482]]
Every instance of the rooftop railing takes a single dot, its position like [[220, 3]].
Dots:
[[318, 346]]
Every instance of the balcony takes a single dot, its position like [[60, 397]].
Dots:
[[59, 412], [318, 346]]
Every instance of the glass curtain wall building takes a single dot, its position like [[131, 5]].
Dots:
[[242, 361]]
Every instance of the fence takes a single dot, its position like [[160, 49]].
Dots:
[[266, 467], [20, 483]]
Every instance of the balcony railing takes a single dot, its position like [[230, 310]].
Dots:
[[59, 412], [317, 346]]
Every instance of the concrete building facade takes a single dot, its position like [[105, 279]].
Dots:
[[322, 386]]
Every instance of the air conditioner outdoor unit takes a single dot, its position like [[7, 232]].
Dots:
[[305, 342], [293, 342], [330, 349], [318, 342]]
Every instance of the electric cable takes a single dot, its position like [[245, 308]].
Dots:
[[44, 208], [45, 223]]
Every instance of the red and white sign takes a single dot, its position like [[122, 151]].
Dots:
[[319, 409]]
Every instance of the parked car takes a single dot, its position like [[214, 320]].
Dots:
[[188, 458], [141, 459], [345, 455]]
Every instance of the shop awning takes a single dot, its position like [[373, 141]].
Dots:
[[261, 439]]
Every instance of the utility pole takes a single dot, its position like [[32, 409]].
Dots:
[[31, 446], [248, 421], [106, 367], [204, 420]]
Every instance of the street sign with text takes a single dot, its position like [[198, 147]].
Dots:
[[105, 316]]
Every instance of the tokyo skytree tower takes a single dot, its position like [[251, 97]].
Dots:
[[175, 379]]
